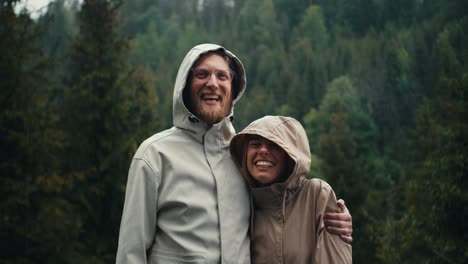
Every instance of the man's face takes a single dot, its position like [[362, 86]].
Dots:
[[266, 161], [210, 94]]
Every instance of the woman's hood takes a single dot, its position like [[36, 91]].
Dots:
[[286, 132], [181, 114]]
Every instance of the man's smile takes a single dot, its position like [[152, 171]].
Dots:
[[211, 99]]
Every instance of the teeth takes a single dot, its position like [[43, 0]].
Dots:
[[264, 163], [210, 97]]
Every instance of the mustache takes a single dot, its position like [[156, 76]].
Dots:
[[206, 92]]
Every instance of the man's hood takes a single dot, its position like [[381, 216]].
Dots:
[[287, 133], [181, 115]]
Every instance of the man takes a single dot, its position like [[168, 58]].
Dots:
[[186, 201]]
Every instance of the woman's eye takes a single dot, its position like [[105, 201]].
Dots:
[[254, 144]]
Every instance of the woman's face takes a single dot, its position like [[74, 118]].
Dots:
[[266, 161]]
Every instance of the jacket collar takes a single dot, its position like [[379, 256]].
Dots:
[[277, 195]]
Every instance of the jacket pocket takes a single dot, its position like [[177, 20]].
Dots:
[[164, 256]]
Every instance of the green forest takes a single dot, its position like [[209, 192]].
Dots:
[[381, 87]]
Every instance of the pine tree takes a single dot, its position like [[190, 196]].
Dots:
[[344, 138], [35, 219], [308, 49], [436, 194], [108, 111]]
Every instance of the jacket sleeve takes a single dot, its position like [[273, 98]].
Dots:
[[138, 225], [330, 248]]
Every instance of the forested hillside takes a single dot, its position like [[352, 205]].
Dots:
[[380, 86]]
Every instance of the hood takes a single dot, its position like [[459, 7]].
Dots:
[[181, 115], [289, 134]]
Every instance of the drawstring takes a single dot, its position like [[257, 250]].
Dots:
[[252, 245], [282, 225], [284, 206]]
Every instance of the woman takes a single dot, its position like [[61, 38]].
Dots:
[[274, 157]]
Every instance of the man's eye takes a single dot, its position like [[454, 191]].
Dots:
[[222, 76], [201, 74]]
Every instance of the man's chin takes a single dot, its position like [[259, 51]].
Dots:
[[212, 117]]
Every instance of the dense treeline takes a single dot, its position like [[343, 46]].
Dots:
[[380, 86]]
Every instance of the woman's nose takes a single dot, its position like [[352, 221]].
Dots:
[[263, 148]]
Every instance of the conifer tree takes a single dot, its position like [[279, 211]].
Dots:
[[108, 111], [436, 194], [344, 138], [308, 47], [35, 217]]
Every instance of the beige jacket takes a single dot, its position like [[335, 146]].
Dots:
[[287, 219]]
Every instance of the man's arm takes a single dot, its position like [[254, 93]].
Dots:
[[138, 225], [340, 223], [331, 248]]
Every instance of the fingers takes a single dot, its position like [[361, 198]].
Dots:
[[345, 217], [341, 231], [344, 233], [338, 223], [347, 239], [341, 205]]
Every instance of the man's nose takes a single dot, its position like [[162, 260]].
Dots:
[[212, 80]]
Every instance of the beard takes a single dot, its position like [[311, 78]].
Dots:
[[212, 115]]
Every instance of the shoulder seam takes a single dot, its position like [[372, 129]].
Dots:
[[157, 139], [158, 178]]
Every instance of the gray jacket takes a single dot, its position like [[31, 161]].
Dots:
[[186, 201]]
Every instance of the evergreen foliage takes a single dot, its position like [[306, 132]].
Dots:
[[106, 115], [379, 85], [35, 216]]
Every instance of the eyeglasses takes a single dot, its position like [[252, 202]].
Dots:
[[204, 74]]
